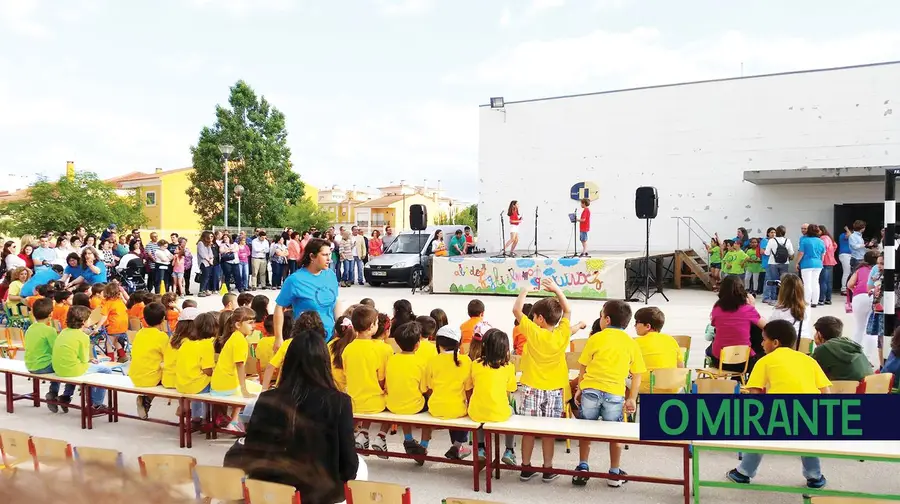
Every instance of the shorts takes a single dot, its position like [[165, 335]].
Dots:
[[539, 403], [717, 265], [178, 274], [513, 228], [596, 404], [582, 235]]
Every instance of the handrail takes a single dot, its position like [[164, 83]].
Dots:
[[690, 222]]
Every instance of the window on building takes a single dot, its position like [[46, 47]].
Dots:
[[150, 198]]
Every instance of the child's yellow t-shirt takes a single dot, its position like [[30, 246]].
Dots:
[[277, 360], [403, 383], [234, 352], [787, 371], [193, 357], [426, 351], [340, 379], [660, 351], [544, 359], [448, 384], [170, 357], [147, 357], [490, 392], [265, 350], [364, 366], [608, 357]]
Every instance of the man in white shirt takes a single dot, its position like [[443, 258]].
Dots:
[[259, 250], [776, 267], [857, 244], [359, 252]]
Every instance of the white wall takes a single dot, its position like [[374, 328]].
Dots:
[[693, 142]]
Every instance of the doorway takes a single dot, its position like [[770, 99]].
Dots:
[[846, 214]]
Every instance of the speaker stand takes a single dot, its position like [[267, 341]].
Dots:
[[502, 238], [419, 271], [645, 275]]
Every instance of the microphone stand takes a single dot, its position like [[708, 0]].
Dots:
[[536, 253], [502, 237]]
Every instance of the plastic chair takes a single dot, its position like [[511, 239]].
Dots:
[[684, 342], [134, 324], [102, 458], [572, 361], [258, 492], [394, 345], [577, 345], [55, 453], [736, 354], [879, 383], [713, 386], [845, 387], [806, 346], [370, 492], [15, 448], [171, 469], [219, 483], [15, 341], [669, 379]]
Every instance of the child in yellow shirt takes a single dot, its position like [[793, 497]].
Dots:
[[265, 346], [426, 350], [493, 380], [659, 351], [195, 361], [307, 321], [448, 379], [183, 330], [403, 378], [148, 353], [545, 376], [230, 375], [343, 332], [607, 359], [783, 370], [364, 367]]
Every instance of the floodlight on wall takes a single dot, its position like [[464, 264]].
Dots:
[[497, 102]]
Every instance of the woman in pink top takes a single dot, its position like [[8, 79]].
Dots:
[[733, 315], [295, 252], [376, 246], [243, 255], [826, 282], [861, 303]]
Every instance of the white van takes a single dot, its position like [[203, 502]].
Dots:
[[400, 262]]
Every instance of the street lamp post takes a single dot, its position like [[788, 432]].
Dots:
[[226, 150], [238, 192]]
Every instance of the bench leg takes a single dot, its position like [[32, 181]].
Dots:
[[36, 392], [496, 460], [487, 462], [87, 405], [83, 411], [476, 466], [9, 392]]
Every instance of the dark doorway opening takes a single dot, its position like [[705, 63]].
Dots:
[[847, 214]]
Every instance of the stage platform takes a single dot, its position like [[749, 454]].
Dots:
[[605, 275]]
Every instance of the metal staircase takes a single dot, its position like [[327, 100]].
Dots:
[[691, 261]]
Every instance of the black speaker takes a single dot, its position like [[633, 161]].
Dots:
[[418, 217], [646, 202]]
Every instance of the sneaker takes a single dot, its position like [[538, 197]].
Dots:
[[123, 359], [362, 441], [412, 447], [827, 302], [236, 426], [481, 454], [51, 397], [614, 482], [737, 477], [141, 407], [454, 453], [380, 444], [464, 452], [816, 483], [64, 406], [99, 409], [527, 473], [581, 480], [549, 477], [509, 457], [148, 401]]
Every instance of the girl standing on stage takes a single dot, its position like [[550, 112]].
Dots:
[[514, 219]]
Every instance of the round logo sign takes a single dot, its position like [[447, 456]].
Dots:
[[583, 190]]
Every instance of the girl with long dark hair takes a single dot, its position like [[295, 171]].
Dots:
[[512, 212], [733, 315]]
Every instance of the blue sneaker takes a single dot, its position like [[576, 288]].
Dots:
[[481, 454], [581, 480], [816, 483], [737, 477]]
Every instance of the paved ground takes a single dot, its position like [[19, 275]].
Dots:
[[686, 313]]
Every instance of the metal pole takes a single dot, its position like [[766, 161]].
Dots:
[[239, 215], [890, 229], [226, 193]]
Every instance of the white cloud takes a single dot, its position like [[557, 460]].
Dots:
[[239, 8], [403, 7], [538, 7], [610, 4], [505, 17], [20, 17]]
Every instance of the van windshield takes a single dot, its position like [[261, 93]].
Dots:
[[410, 243]]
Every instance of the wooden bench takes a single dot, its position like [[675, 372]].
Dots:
[[586, 430], [879, 451], [11, 368], [426, 420], [211, 429]]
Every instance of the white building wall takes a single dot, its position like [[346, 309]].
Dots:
[[693, 142]]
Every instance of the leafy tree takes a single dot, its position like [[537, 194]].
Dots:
[[260, 163], [306, 214], [85, 200], [468, 217]]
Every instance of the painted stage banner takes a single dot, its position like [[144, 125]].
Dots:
[[578, 277]]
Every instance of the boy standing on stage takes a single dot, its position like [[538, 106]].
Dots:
[[584, 224]]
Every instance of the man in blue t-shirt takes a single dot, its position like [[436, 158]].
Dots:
[[41, 277], [43, 255]]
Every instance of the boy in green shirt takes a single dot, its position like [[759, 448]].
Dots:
[[39, 339], [733, 262], [72, 356]]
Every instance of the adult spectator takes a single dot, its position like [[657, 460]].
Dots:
[[457, 244], [217, 262], [733, 316], [259, 251], [25, 255], [300, 433], [857, 243], [376, 246], [779, 250], [359, 255], [73, 272], [206, 260], [742, 237], [121, 246], [63, 249], [163, 259], [829, 261], [153, 276], [188, 265], [470, 240], [108, 257], [51, 273], [230, 262], [43, 256], [388, 237], [80, 233], [10, 257], [278, 253], [295, 252], [173, 243], [93, 270], [313, 287], [438, 247], [791, 306], [109, 231], [861, 303], [809, 263], [844, 257], [134, 252]]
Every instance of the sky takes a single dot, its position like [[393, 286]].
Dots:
[[374, 91]]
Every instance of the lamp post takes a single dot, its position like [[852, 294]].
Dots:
[[226, 150], [238, 192]]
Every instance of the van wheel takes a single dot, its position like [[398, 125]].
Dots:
[[416, 277], [375, 284]]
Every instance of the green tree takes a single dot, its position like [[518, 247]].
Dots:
[[468, 217], [260, 163], [85, 200], [306, 214]]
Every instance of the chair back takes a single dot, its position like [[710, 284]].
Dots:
[[806, 345], [96, 316], [845, 387], [668, 379], [735, 354], [266, 492], [394, 345], [713, 386], [252, 364], [15, 337], [51, 452], [516, 361], [219, 483], [577, 345], [683, 341], [171, 469], [100, 456], [572, 361], [134, 324], [131, 334], [878, 383], [370, 492], [15, 448]]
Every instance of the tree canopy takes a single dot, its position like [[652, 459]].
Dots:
[[85, 200], [306, 214], [261, 163]]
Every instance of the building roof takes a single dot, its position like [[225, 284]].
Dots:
[[6, 196], [142, 176], [384, 201]]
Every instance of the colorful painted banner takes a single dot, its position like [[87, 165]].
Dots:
[[584, 278]]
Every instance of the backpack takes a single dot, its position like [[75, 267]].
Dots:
[[782, 256]]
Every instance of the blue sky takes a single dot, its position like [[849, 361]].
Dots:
[[374, 90]]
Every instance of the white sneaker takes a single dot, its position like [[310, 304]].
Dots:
[[380, 444], [361, 440]]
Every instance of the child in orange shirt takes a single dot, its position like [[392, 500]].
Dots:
[[170, 301], [260, 307], [97, 295], [62, 301], [519, 338], [115, 319], [135, 306], [467, 329]]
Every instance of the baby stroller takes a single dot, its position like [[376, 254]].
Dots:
[[133, 276]]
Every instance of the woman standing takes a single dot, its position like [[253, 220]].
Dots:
[[63, 249], [109, 258], [163, 259], [792, 307], [188, 264], [312, 287], [732, 316], [295, 252], [206, 260], [346, 247], [829, 261], [809, 263], [376, 246], [279, 255], [228, 258], [743, 238], [514, 220], [857, 286], [217, 262], [243, 263], [845, 255]]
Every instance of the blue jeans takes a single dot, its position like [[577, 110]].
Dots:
[[230, 274], [206, 274], [347, 270], [244, 274], [773, 272], [97, 393], [812, 466], [198, 409], [54, 386], [826, 284], [596, 404], [357, 261], [277, 273]]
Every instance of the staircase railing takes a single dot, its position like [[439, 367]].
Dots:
[[694, 229]]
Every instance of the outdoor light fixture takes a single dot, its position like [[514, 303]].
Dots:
[[238, 192], [497, 102], [226, 150]]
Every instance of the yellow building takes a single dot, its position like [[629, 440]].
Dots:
[[392, 211], [164, 199]]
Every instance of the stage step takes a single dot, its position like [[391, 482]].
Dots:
[[689, 265]]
